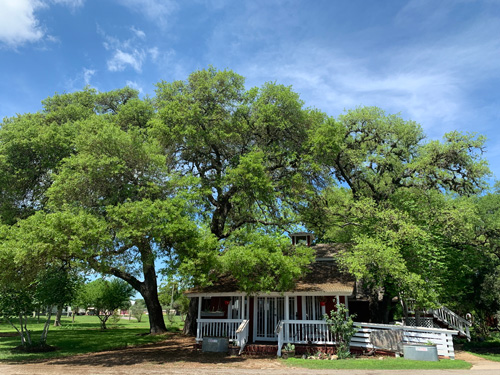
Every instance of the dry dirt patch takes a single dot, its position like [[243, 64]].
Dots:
[[176, 350]]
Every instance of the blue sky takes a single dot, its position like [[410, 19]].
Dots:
[[435, 62]]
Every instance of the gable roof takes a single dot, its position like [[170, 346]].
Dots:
[[323, 278]]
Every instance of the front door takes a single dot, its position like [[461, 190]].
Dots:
[[268, 311]]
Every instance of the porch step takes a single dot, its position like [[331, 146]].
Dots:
[[261, 349]]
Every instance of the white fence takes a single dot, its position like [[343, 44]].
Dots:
[[218, 328], [317, 332]]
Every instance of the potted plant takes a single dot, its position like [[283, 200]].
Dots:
[[288, 351]]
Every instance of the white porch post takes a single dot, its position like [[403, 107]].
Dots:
[[199, 317], [347, 304], [240, 303], [303, 307], [287, 317], [287, 308], [255, 317], [199, 307]]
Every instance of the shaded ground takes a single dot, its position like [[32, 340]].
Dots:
[[177, 350], [176, 355]]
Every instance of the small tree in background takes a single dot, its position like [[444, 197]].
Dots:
[[106, 296], [137, 309], [19, 297], [342, 327], [181, 304]]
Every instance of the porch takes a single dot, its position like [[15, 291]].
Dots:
[[307, 334], [221, 313], [298, 319]]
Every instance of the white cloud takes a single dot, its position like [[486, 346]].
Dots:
[[128, 53], [139, 33], [121, 60], [429, 78], [134, 85], [72, 4], [18, 24], [155, 10], [87, 75], [154, 52]]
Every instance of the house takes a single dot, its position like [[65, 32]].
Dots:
[[294, 316]]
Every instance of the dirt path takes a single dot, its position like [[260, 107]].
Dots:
[[177, 356], [478, 363], [175, 351]]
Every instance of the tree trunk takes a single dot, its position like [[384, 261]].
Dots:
[[57, 321], [190, 322], [148, 288], [149, 291], [156, 322]]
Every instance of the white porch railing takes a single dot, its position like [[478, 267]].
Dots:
[[317, 332], [242, 335], [218, 328]]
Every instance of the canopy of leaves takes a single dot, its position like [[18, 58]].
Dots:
[[262, 263], [398, 204], [248, 148]]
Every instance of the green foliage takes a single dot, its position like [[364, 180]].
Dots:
[[106, 296], [248, 148], [487, 348], [261, 262], [21, 295], [402, 206], [381, 153], [207, 175], [181, 304], [137, 309], [342, 328]]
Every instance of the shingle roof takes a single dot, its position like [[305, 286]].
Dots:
[[324, 276]]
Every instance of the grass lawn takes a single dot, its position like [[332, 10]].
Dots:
[[488, 349], [377, 364], [83, 336]]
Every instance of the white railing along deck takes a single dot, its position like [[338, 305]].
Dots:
[[218, 328], [453, 320], [443, 314], [242, 335], [317, 332]]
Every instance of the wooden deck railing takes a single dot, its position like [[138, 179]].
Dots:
[[317, 332], [453, 320], [442, 314], [218, 328]]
